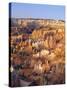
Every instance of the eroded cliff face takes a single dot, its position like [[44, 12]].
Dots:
[[38, 46]]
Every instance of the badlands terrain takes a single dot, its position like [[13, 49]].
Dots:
[[37, 52]]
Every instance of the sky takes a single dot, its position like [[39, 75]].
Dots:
[[25, 10]]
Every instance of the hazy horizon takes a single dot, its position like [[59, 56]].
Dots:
[[37, 11]]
